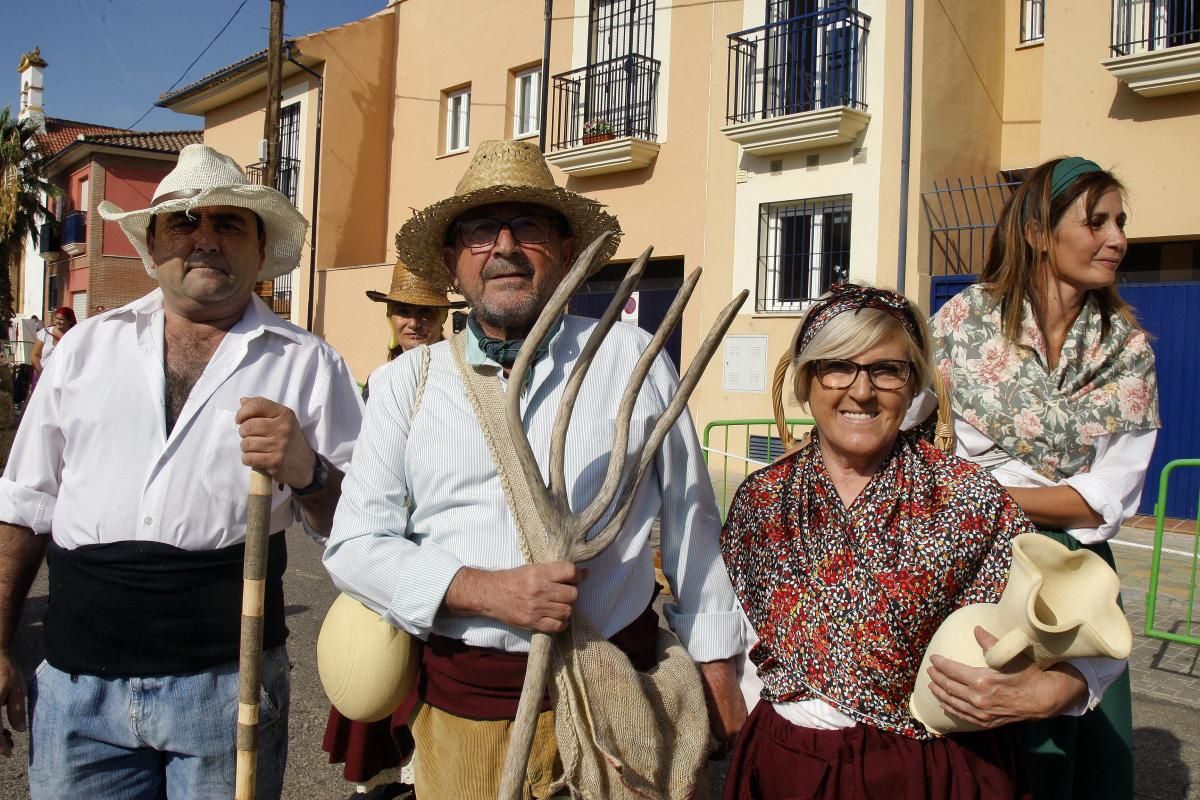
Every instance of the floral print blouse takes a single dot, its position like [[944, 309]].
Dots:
[[1047, 418], [845, 600]]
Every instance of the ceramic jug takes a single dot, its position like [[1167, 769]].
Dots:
[[1059, 604]]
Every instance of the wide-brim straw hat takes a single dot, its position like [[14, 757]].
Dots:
[[502, 171], [204, 177], [411, 289]]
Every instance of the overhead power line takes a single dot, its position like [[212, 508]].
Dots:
[[179, 80]]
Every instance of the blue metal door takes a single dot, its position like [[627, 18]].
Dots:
[[653, 307], [1168, 312]]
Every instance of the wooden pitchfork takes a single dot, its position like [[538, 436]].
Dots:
[[254, 574], [566, 531]]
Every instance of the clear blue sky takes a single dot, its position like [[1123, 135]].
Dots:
[[109, 60]]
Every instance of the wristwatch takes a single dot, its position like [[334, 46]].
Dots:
[[319, 480]]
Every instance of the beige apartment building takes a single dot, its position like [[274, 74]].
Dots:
[[779, 144]]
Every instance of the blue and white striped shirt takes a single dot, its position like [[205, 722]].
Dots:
[[422, 499]]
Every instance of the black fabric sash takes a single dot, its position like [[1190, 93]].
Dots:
[[137, 609]]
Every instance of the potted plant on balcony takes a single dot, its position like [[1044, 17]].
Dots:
[[598, 130]]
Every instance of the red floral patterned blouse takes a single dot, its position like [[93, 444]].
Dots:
[[845, 600]]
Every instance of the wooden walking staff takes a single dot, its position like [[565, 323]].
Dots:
[[254, 574]]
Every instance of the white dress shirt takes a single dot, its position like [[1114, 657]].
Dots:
[[423, 499], [92, 460]]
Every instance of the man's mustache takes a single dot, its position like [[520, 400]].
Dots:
[[210, 262], [504, 266]]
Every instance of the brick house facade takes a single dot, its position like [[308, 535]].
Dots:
[[90, 264]]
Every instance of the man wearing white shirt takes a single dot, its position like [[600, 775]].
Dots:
[[424, 533], [130, 474]]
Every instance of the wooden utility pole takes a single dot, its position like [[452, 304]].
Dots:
[[274, 77]]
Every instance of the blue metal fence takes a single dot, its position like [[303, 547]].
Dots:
[[1168, 311]]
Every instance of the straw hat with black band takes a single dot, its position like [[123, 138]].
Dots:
[[204, 177], [502, 171]]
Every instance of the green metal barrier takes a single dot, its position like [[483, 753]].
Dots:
[[765, 427], [1160, 508]]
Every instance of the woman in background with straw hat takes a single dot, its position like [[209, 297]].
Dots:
[[416, 312]]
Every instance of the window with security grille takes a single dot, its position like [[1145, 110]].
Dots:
[[803, 248], [620, 28], [619, 86], [458, 120], [287, 175]]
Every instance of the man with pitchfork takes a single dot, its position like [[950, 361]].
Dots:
[[426, 531], [130, 474]]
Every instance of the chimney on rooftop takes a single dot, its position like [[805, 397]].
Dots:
[[31, 67]]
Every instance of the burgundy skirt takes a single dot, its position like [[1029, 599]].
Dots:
[[368, 748], [776, 760]]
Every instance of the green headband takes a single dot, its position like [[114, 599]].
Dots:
[[1066, 171]]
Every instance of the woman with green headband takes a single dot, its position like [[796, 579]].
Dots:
[[1053, 385]]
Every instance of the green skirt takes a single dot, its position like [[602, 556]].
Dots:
[[1089, 756]]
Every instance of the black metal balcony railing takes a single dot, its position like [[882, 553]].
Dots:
[[48, 240], [287, 176], [605, 100], [803, 63], [74, 228], [281, 295], [1140, 26]]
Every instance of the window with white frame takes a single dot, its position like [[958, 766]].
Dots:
[[458, 120], [1033, 21], [803, 248], [527, 102]]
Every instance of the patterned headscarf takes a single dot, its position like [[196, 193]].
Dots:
[[845, 297]]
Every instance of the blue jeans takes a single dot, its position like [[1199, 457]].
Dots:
[[152, 738]]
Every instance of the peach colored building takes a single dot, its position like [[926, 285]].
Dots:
[[778, 144]]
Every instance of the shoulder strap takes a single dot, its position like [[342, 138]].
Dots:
[[483, 391], [422, 377]]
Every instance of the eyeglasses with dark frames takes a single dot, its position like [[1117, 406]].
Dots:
[[887, 376], [527, 229]]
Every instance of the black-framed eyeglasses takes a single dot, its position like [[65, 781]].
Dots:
[[838, 373], [484, 231]]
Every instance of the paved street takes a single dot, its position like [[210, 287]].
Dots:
[[1166, 677]]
